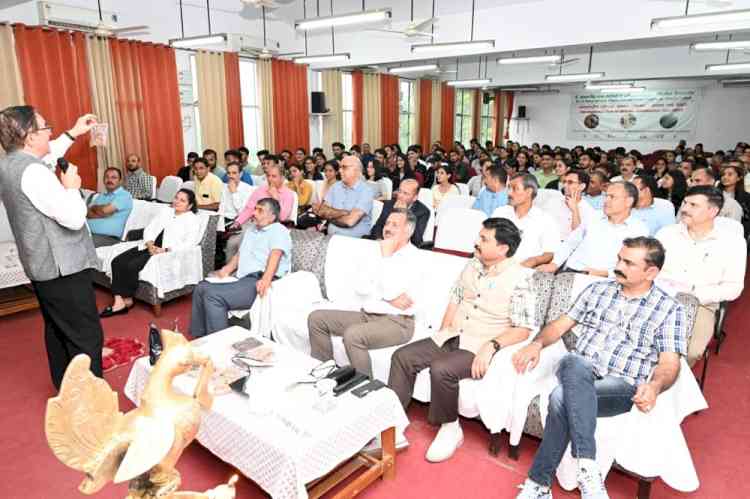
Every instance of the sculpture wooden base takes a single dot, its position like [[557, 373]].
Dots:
[[384, 467]]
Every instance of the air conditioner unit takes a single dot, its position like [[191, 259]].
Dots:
[[78, 18]]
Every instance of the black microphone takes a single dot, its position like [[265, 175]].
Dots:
[[63, 164]]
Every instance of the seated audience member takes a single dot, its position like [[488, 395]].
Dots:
[[186, 171], [561, 169], [373, 177], [402, 172], [546, 173], [406, 198], [311, 169], [389, 289], [213, 165], [703, 260], [587, 162], [208, 187], [731, 208], [654, 215], [233, 156], [627, 170], [303, 189], [686, 167], [578, 210], [675, 186], [366, 155], [592, 248], [338, 150], [595, 193], [265, 254], [299, 157], [330, 176], [348, 204], [258, 170], [660, 168], [444, 185], [491, 306], [494, 194], [235, 193], [109, 211], [274, 189], [173, 230], [733, 186], [631, 335], [540, 236], [244, 153], [138, 183], [477, 182], [460, 167]]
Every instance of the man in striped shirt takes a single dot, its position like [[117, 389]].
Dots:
[[627, 329]]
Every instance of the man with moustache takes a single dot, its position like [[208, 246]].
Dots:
[[108, 212], [631, 335]]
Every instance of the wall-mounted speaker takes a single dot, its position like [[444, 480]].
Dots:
[[318, 102], [521, 112]]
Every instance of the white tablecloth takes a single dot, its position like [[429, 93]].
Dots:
[[286, 447], [11, 270]]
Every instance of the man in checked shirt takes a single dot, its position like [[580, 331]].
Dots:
[[627, 328]]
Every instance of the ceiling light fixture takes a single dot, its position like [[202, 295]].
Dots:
[[198, 41], [729, 45], [731, 66], [355, 18], [709, 20], [574, 77], [413, 69], [470, 83], [453, 47], [608, 86], [529, 60], [320, 59], [629, 90], [739, 82]]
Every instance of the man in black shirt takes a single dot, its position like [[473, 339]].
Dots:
[[406, 197]]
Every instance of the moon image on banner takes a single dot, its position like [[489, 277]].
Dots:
[[591, 121], [668, 121], [628, 120]]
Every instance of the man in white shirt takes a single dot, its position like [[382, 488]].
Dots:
[[48, 219], [655, 214], [703, 260], [731, 208], [540, 236], [388, 290], [235, 193], [592, 248], [627, 170]]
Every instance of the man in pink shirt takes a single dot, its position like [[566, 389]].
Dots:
[[275, 189]]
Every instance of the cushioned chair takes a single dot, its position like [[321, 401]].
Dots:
[[451, 202], [458, 230], [463, 188], [168, 188], [189, 185]]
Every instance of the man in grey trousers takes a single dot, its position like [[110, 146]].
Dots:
[[265, 254]]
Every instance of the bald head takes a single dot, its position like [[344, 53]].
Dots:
[[351, 170], [407, 192]]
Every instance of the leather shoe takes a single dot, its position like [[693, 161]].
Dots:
[[108, 312], [449, 438]]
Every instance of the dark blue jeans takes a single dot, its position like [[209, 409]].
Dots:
[[574, 405]]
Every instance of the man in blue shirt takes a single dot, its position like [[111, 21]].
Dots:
[[348, 204], [494, 194], [265, 255], [234, 156], [648, 210], [109, 211]]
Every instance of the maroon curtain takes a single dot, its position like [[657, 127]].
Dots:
[[448, 111], [234, 99], [389, 102], [425, 113], [358, 96], [291, 115]]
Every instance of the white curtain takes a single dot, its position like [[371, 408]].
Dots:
[[11, 87], [371, 110], [333, 122], [264, 77]]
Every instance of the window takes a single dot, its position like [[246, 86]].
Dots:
[[252, 120], [347, 109], [407, 119], [487, 120], [190, 110], [464, 123]]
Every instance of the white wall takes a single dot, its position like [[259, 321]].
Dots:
[[724, 119]]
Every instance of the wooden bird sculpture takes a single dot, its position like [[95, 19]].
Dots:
[[86, 430]]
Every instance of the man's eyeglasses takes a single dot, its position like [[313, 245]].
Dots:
[[47, 128]]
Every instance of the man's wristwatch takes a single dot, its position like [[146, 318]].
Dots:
[[496, 344]]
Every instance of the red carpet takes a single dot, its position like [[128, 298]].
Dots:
[[719, 438]]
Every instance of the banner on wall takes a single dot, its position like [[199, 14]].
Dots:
[[651, 115]]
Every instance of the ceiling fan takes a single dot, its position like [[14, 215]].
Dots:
[[563, 61], [414, 29], [104, 29], [265, 52]]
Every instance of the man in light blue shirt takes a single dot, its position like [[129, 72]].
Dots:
[[592, 248], [494, 195], [655, 213], [348, 204], [108, 212], [265, 255]]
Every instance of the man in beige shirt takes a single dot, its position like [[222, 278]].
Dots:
[[491, 307], [208, 187]]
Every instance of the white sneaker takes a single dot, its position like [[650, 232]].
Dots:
[[590, 481], [448, 439], [532, 490]]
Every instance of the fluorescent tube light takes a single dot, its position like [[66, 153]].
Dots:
[[732, 66], [699, 20], [522, 89], [453, 47], [603, 86], [729, 45], [469, 83], [629, 90], [413, 69], [745, 82], [529, 60], [198, 41], [574, 77], [316, 59], [355, 18]]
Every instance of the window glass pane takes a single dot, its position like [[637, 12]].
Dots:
[[248, 85], [347, 127], [347, 92]]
